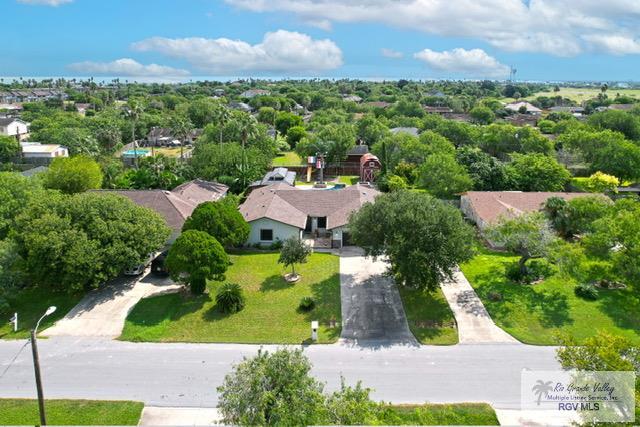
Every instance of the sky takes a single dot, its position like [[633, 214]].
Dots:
[[165, 40]]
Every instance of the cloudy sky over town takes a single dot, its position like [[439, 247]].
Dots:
[[419, 39]]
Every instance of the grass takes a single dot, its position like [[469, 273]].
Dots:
[[580, 95], [441, 414], [70, 412], [288, 158], [536, 314], [270, 314], [429, 316], [169, 151], [30, 304], [348, 179]]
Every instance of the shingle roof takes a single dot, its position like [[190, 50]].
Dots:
[[410, 131], [200, 191], [489, 206], [292, 206]]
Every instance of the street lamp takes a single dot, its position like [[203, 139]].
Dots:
[[36, 365]]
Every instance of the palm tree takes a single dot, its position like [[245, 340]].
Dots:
[[133, 112], [221, 115], [542, 388], [248, 127], [182, 128]]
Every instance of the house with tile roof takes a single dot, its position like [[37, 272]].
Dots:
[[280, 211], [42, 154]]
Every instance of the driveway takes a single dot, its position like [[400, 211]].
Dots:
[[475, 325], [371, 306], [102, 312]]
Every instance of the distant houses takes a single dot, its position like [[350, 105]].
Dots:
[[252, 93], [408, 130], [30, 95], [523, 107]]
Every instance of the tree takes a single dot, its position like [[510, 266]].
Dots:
[[9, 148], [482, 115], [499, 140], [601, 183], [443, 177], [615, 120], [285, 120], [80, 242], [221, 220], [424, 238], [221, 116], [16, 191], [528, 235], [295, 134], [272, 389], [73, 174], [537, 172], [294, 251], [134, 111], [194, 257], [182, 128], [576, 216], [486, 172]]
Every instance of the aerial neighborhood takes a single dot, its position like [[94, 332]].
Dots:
[[254, 226]]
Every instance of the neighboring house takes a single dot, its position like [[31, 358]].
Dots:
[[410, 131], [163, 137], [516, 106], [485, 208], [31, 95], [352, 98], [218, 92], [42, 154], [522, 119], [275, 176], [576, 111], [355, 154], [438, 110], [377, 104], [240, 106], [11, 108], [177, 205], [82, 108], [252, 93], [622, 107], [279, 211], [12, 126]]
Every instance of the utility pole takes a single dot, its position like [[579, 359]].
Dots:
[[36, 367]]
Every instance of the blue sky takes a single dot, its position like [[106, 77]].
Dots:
[[419, 39]]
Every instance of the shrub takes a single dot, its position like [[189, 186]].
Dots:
[[586, 291], [494, 296], [307, 304], [276, 245], [536, 270], [230, 298]]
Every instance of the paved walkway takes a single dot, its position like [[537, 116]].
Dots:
[[372, 310], [159, 416], [102, 313], [475, 325]]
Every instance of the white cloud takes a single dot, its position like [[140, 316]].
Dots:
[[557, 27], [127, 67], [617, 44], [279, 52], [45, 2], [474, 62], [390, 53]]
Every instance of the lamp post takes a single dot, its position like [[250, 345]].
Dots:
[[36, 365]]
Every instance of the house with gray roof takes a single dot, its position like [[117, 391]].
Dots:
[[408, 130], [275, 176], [279, 211]]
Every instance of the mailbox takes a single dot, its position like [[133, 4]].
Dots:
[[314, 330]]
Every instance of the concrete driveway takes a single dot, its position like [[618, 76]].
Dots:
[[475, 325], [102, 312], [371, 306]]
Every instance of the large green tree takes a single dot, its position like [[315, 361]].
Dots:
[[73, 174], [536, 172], [194, 257], [424, 238], [9, 148], [221, 220], [443, 177]]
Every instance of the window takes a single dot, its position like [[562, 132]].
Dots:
[[322, 222], [266, 235]]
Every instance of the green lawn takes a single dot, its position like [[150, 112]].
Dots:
[[535, 314], [580, 95], [348, 179], [30, 304], [70, 412], [270, 315], [429, 316], [288, 158], [429, 414]]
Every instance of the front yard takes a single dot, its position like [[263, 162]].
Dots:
[[429, 316], [536, 314], [71, 412], [271, 313]]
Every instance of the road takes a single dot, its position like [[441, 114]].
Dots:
[[187, 375]]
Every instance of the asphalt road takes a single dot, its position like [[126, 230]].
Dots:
[[187, 375]]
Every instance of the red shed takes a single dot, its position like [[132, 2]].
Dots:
[[369, 166]]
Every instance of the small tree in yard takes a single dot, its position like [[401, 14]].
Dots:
[[221, 220], [528, 235], [195, 257], [294, 251]]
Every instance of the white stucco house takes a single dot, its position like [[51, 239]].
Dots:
[[279, 211], [11, 126]]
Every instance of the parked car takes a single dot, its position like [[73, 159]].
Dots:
[[158, 267], [137, 270]]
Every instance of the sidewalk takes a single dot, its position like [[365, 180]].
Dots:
[[475, 325], [159, 416]]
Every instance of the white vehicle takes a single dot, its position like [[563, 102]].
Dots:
[[137, 270]]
